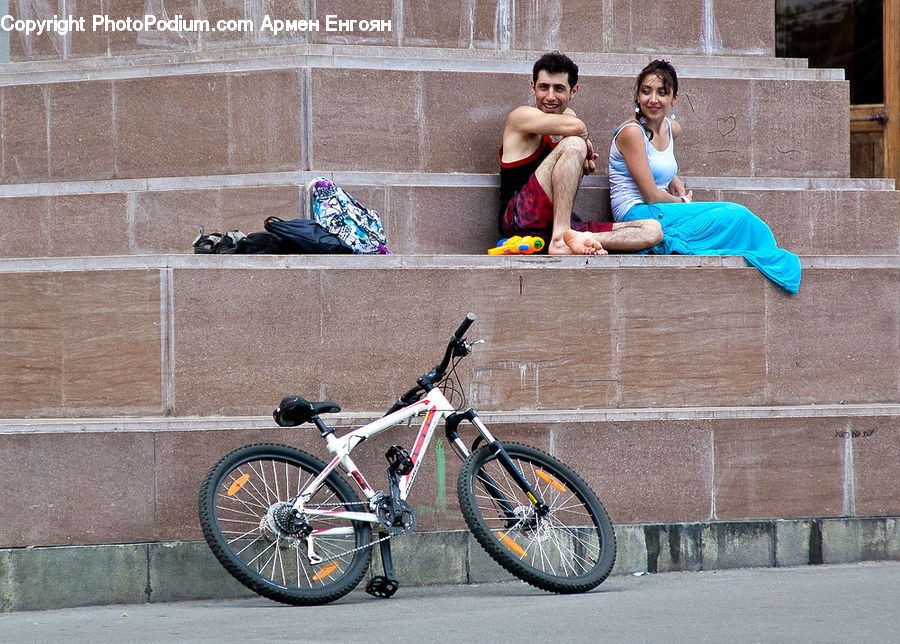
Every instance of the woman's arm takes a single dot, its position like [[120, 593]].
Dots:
[[676, 187], [630, 143]]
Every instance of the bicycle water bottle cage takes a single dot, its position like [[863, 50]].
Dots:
[[294, 410]]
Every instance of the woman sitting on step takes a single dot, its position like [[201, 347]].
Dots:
[[644, 184]]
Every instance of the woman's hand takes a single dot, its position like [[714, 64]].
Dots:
[[676, 189]]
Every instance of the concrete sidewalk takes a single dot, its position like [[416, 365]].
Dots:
[[839, 603]]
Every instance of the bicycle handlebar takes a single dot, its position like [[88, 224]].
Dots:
[[428, 380], [461, 331]]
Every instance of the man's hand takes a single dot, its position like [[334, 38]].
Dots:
[[590, 161]]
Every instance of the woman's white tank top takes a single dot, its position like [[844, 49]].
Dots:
[[623, 192]]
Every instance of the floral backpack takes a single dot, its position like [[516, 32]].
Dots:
[[342, 215]]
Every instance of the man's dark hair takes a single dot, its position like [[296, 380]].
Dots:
[[554, 62]]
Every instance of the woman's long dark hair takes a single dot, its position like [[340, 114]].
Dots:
[[666, 73]]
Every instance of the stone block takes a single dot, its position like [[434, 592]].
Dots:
[[80, 225], [25, 150], [792, 543], [341, 125], [5, 584], [91, 42], [711, 320], [95, 345], [783, 147], [132, 41], [21, 216], [716, 128], [358, 10], [424, 558], [818, 346], [631, 549], [81, 138], [469, 140], [33, 46], [892, 539], [183, 571], [172, 126], [853, 539], [516, 373], [643, 471], [265, 121], [252, 322], [657, 19], [31, 373], [823, 222], [743, 28], [876, 452], [167, 221], [182, 459], [50, 578], [673, 548], [437, 23], [439, 220], [748, 544], [77, 488], [778, 468], [482, 568]]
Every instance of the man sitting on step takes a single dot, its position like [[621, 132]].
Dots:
[[544, 153]]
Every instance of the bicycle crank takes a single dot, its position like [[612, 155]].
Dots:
[[396, 516]]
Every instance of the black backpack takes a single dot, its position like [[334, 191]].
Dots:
[[305, 236]]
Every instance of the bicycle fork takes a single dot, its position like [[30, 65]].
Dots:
[[452, 424]]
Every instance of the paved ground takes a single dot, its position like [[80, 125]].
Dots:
[[842, 603]]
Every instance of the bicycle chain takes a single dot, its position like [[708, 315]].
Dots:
[[350, 552]]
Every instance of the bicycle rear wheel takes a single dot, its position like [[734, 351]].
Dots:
[[570, 549], [245, 515]]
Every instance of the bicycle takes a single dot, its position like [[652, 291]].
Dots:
[[289, 527]]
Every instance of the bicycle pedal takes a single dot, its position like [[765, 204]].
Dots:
[[399, 461], [381, 586]]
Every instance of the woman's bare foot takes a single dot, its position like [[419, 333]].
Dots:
[[583, 243]]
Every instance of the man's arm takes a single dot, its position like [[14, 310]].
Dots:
[[525, 124], [528, 120]]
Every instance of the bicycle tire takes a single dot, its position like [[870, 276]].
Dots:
[[238, 500], [572, 549]]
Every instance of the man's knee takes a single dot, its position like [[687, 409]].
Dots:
[[574, 145], [652, 230]]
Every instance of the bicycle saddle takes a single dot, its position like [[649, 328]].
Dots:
[[294, 410]]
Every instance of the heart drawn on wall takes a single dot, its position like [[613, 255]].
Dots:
[[726, 126]]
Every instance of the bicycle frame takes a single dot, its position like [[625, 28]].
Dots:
[[436, 408], [434, 405]]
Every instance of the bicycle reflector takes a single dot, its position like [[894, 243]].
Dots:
[[512, 545], [325, 572], [552, 481], [237, 485]]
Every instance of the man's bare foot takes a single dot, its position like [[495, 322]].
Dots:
[[582, 243]]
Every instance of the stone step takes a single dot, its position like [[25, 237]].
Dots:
[[246, 59], [178, 571], [192, 335], [646, 466], [726, 27], [320, 119], [422, 213]]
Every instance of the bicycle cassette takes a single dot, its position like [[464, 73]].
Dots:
[[403, 523]]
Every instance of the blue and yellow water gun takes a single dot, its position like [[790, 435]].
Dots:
[[517, 246]]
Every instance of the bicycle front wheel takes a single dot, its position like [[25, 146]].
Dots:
[[245, 504], [569, 548]]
